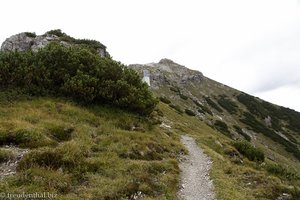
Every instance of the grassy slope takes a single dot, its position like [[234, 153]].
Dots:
[[85, 153], [88, 153], [248, 180]]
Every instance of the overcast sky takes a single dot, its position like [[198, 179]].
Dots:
[[251, 45]]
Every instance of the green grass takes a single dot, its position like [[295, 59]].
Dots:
[[88, 152], [99, 152], [234, 176], [5, 155]]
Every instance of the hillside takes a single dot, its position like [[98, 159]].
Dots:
[[220, 115], [77, 124]]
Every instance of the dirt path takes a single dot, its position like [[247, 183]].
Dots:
[[195, 180]]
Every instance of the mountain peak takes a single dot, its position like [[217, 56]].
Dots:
[[166, 61], [26, 41]]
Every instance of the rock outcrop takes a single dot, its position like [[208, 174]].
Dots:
[[167, 72], [29, 41]]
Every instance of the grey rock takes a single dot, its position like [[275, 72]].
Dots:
[[25, 42], [168, 72]]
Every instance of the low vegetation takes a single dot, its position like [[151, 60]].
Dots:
[[228, 104], [241, 132], [259, 127], [281, 171], [92, 44], [263, 109], [248, 150], [234, 177], [184, 97], [164, 100], [222, 127], [5, 155], [213, 104], [78, 73], [87, 152], [177, 108], [30, 34], [189, 112]]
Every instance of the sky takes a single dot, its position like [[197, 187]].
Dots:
[[250, 45]]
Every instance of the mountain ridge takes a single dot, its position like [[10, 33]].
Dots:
[[106, 152]]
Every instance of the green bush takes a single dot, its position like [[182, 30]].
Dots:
[[56, 32], [176, 107], [227, 104], [280, 171], [60, 132], [251, 152], [165, 100], [93, 44], [182, 96], [69, 155], [213, 104], [253, 105], [222, 127], [240, 131], [30, 34], [28, 138], [259, 127], [5, 155], [204, 109], [78, 73], [174, 89], [190, 112]]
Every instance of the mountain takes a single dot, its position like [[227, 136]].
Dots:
[[243, 116], [79, 125]]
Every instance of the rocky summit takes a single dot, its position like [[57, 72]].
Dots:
[[30, 41], [167, 71]]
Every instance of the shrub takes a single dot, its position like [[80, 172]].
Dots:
[[56, 32], [30, 34], [93, 44], [227, 104], [60, 132], [190, 112], [253, 105], [204, 109], [251, 152], [222, 127], [174, 89], [165, 100], [78, 73], [5, 155], [256, 126], [197, 103], [24, 138], [213, 104], [279, 170], [182, 96], [68, 155], [240, 131], [176, 107]]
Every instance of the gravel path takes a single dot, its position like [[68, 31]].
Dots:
[[195, 180]]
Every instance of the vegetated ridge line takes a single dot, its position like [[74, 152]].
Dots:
[[195, 180]]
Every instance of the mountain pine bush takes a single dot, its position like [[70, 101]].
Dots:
[[75, 72]]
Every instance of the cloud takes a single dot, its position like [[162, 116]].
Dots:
[[253, 45]]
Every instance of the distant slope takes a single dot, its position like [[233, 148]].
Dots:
[[236, 116], [244, 116]]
